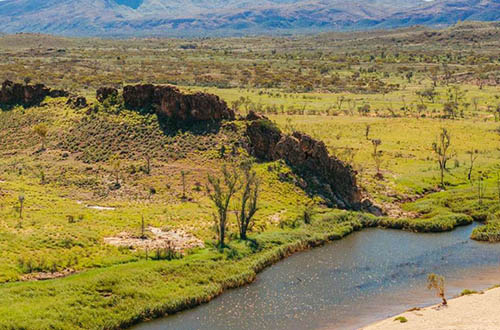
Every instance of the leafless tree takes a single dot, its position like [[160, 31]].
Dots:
[[221, 190], [441, 150], [377, 156], [248, 205], [474, 154]]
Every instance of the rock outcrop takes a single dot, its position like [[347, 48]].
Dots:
[[77, 102], [169, 103], [27, 95], [324, 174], [104, 92]]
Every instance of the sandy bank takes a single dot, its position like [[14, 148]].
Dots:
[[476, 311]]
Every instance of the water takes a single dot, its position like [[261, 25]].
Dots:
[[346, 284]]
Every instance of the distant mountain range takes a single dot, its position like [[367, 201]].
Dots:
[[231, 17]]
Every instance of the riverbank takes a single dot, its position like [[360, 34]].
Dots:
[[474, 311], [123, 295]]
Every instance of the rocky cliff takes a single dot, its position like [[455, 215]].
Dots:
[[324, 174], [169, 103], [27, 95]]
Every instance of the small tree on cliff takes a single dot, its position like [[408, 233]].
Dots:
[[441, 150], [221, 190], [248, 206]]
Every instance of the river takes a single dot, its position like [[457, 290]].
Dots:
[[346, 284]]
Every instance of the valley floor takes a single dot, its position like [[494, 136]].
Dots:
[[476, 311]]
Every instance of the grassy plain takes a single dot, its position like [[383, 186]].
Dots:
[[319, 85]]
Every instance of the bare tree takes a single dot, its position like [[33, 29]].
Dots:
[[436, 282], [21, 205], [441, 149], [248, 206], [480, 189], [474, 154], [377, 156], [367, 131], [143, 227], [183, 178], [147, 157], [116, 168], [221, 191]]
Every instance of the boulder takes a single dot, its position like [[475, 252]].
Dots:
[[104, 92], [77, 102], [169, 103]]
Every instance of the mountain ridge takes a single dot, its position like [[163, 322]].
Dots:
[[231, 17]]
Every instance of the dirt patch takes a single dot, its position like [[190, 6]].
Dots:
[[47, 276], [157, 238], [101, 208]]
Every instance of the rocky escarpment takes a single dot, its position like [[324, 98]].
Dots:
[[169, 103], [27, 95], [324, 174]]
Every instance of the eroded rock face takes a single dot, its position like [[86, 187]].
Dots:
[[26, 95], [169, 103], [264, 135], [335, 178], [104, 92], [325, 174]]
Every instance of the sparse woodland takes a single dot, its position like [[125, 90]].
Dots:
[[416, 113]]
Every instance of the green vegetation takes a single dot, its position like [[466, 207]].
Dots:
[[73, 180], [401, 319], [467, 292]]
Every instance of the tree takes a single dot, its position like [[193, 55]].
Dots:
[[147, 157], [436, 282], [248, 206], [441, 150], [116, 168], [474, 154], [377, 156], [367, 131], [364, 110], [221, 191], [41, 130], [143, 227], [183, 179], [21, 205]]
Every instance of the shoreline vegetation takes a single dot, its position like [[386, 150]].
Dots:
[[109, 301], [471, 310]]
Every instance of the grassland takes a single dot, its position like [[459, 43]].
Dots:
[[319, 85]]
